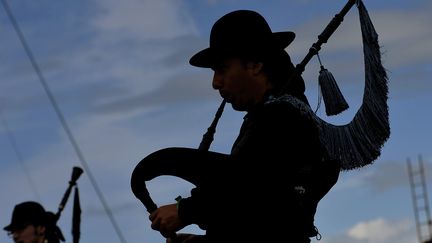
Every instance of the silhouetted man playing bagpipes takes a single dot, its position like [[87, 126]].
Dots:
[[285, 159], [31, 223]]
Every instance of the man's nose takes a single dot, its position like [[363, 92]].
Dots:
[[217, 81]]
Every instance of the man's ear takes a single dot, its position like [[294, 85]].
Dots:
[[40, 230], [255, 67]]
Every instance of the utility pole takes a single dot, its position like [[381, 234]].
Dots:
[[420, 201]]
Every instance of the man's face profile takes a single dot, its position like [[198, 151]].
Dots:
[[28, 233]]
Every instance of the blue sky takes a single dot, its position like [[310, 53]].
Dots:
[[120, 74]]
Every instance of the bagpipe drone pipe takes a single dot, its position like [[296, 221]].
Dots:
[[184, 163], [76, 217]]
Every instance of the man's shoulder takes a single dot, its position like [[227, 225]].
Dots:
[[287, 101], [287, 105]]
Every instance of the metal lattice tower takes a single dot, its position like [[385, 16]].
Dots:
[[420, 201]]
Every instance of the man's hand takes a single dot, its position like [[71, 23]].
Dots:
[[166, 220]]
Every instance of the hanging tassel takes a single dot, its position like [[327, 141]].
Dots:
[[334, 101]]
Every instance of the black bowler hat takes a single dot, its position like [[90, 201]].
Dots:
[[242, 32], [26, 213]]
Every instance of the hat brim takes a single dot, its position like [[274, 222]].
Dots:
[[14, 226], [206, 58], [9, 227]]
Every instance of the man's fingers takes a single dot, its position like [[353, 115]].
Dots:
[[168, 240], [156, 224]]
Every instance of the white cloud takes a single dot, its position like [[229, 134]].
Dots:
[[149, 19], [378, 230], [381, 230], [382, 176]]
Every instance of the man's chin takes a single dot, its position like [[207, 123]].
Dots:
[[238, 107]]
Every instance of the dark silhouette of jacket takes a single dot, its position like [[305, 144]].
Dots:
[[268, 188]]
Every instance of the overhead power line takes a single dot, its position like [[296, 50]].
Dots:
[[19, 156], [62, 119]]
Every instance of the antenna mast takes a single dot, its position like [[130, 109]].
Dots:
[[420, 201]]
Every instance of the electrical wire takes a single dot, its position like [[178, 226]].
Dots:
[[62, 119], [18, 154]]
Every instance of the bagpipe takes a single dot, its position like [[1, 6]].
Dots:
[[76, 216], [354, 145]]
